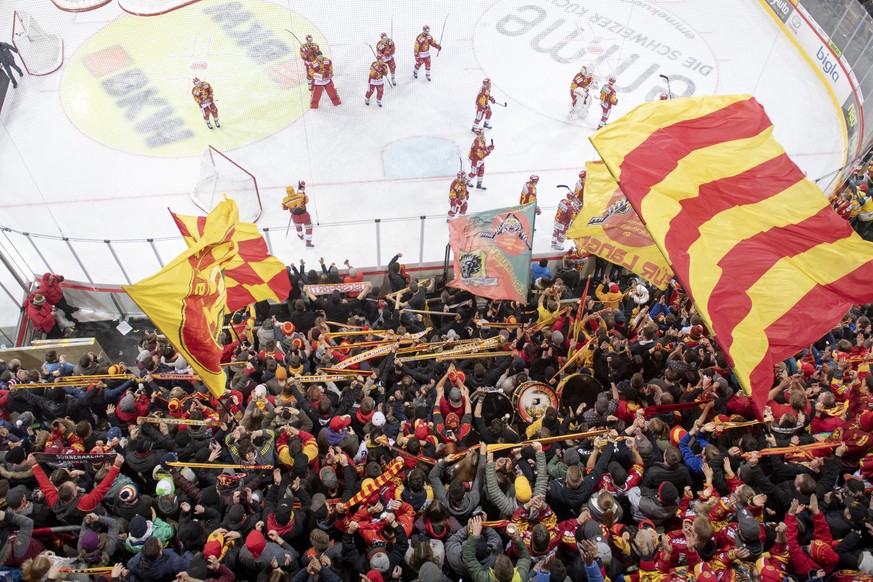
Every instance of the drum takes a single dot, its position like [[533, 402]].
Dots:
[[575, 389], [532, 399], [496, 404]]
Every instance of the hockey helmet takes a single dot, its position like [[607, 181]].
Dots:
[[462, 174], [477, 131], [582, 174], [534, 178], [585, 71], [425, 28], [383, 35], [611, 79], [486, 81], [301, 185], [308, 38], [663, 96], [195, 80]]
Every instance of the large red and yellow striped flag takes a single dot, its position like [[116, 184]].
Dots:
[[770, 266], [254, 274], [187, 299], [608, 227]]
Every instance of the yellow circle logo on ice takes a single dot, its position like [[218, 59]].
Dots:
[[129, 86]]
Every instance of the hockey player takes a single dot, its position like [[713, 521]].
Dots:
[[579, 188], [385, 48], [483, 105], [458, 196], [608, 100], [202, 93], [579, 88], [423, 42], [295, 202], [376, 82], [568, 208], [321, 70], [308, 51], [529, 192], [478, 152]]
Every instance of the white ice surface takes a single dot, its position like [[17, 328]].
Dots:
[[55, 180]]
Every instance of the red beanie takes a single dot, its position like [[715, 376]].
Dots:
[[823, 553], [256, 543], [375, 576]]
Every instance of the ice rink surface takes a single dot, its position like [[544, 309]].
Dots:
[[81, 153]]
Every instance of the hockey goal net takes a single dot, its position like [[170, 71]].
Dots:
[[40, 52], [219, 175]]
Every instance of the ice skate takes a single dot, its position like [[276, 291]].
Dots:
[[300, 236], [217, 124], [379, 103], [209, 125], [479, 185], [393, 80], [309, 244], [473, 129], [557, 247], [366, 101], [428, 76], [415, 73], [487, 125]]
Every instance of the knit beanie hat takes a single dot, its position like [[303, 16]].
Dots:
[[379, 560], [522, 489]]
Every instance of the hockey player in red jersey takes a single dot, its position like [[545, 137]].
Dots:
[[579, 87], [202, 93], [608, 100], [376, 81], [568, 208], [579, 188], [529, 192], [308, 52], [322, 77], [295, 201], [385, 48], [478, 152], [423, 44], [458, 196], [483, 105]]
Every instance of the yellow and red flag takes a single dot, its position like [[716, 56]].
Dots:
[[187, 299], [254, 274], [609, 227], [769, 264]]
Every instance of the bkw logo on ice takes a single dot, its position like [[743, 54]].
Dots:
[[827, 65]]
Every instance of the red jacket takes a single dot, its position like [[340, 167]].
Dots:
[[85, 503], [50, 288], [41, 315]]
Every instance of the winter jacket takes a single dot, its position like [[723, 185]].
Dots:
[[455, 544], [480, 574], [160, 529], [505, 503], [262, 562], [470, 501], [163, 569], [75, 510]]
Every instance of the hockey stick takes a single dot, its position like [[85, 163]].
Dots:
[[441, 35], [504, 104], [287, 230], [564, 186], [372, 50], [295, 37], [669, 91]]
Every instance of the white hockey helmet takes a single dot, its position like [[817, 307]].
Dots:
[[425, 28], [534, 178], [383, 35], [478, 131], [195, 80], [585, 71], [308, 38], [611, 79], [462, 174]]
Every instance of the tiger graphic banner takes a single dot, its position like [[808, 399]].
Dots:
[[609, 227], [770, 266], [492, 251], [187, 299]]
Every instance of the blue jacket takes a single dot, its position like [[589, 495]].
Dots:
[[164, 569], [536, 272], [692, 461]]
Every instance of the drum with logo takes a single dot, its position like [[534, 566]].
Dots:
[[532, 399], [575, 389], [496, 404]]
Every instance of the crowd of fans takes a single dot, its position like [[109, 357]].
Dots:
[[393, 474]]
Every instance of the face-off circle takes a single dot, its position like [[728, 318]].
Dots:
[[548, 43], [129, 85]]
